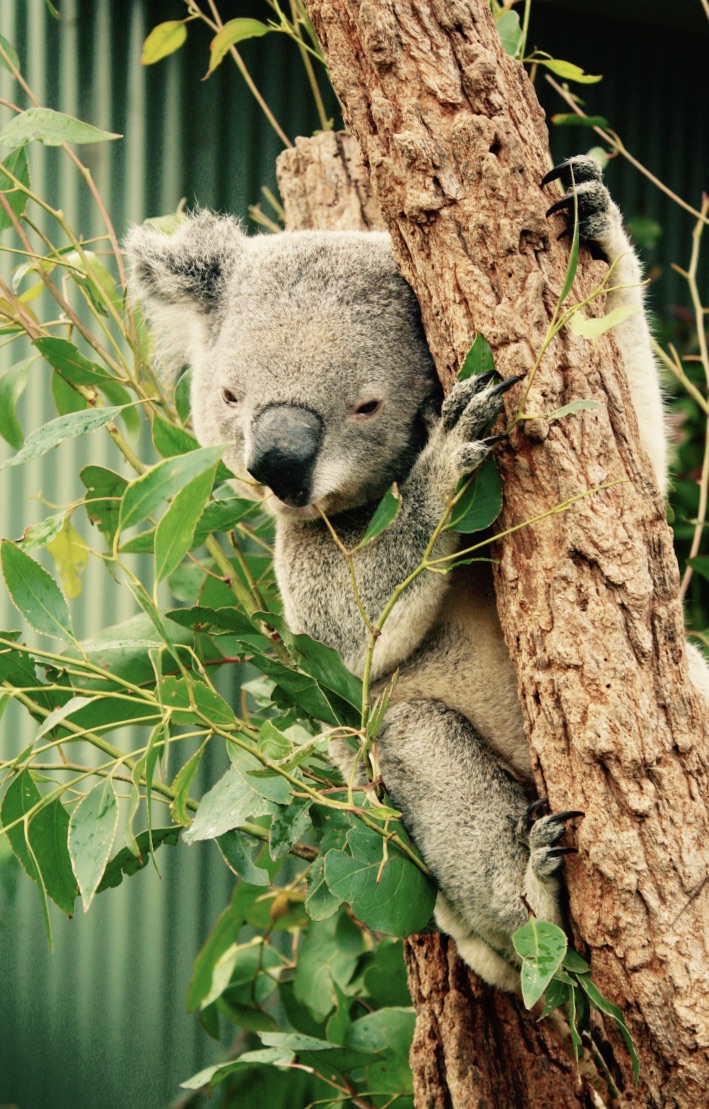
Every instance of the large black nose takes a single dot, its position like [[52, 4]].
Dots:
[[286, 441]]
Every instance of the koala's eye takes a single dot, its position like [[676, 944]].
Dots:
[[229, 398], [369, 408]]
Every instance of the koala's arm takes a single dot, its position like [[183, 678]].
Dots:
[[600, 222], [313, 573]]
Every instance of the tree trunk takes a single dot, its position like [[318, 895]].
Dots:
[[451, 131]]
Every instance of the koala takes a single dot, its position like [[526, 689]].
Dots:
[[309, 359]]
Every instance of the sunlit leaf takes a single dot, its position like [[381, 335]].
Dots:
[[8, 55], [175, 532], [591, 328], [70, 555], [573, 406], [146, 493], [164, 39], [236, 30], [570, 119], [569, 71], [510, 32]]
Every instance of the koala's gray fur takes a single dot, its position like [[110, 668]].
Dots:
[[288, 336]]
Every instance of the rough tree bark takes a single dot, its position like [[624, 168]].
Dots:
[[455, 143]]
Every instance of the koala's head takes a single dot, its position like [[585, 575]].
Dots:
[[307, 352]]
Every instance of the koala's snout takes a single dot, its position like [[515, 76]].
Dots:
[[285, 444]]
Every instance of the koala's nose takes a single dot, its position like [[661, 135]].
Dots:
[[286, 441]]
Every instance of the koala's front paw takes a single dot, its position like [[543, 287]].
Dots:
[[596, 211], [470, 407], [542, 834]]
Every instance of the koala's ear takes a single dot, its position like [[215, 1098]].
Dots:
[[181, 279]]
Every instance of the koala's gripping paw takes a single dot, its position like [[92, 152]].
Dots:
[[597, 213], [542, 834], [470, 407]]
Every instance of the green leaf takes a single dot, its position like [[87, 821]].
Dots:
[[225, 619], [320, 903], [234, 846], [288, 825], [170, 440], [64, 427], [590, 328], [481, 502], [573, 962], [510, 32], [48, 831], [596, 998], [38, 535], [181, 787], [164, 39], [389, 1034], [222, 936], [573, 406], [11, 61], [235, 798], [384, 515], [541, 946], [68, 359], [92, 829], [51, 128], [327, 957], [554, 997], [20, 798], [479, 359], [145, 493], [570, 119], [182, 396], [35, 594], [319, 661], [573, 262], [236, 30], [175, 532], [385, 889], [646, 232], [126, 862], [16, 164], [104, 491], [569, 71], [12, 385], [212, 1076], [189, 700]]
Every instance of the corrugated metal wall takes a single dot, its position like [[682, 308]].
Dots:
[[100, 1024]]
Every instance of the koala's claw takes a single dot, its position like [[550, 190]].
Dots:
[[542, 835], [584, 168]]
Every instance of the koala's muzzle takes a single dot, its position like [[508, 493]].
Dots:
[[285, 444]]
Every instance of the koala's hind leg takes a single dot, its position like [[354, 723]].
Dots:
[[472, 823], [601, 225]]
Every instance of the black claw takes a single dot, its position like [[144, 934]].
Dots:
[[570, 814], [565, 202], [556, 852], [555, 173], [568, 231], [506, 384], [530, 814], [492, 439]]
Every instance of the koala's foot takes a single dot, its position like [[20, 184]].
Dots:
[[468, 410], [541, 835], [599, 218]]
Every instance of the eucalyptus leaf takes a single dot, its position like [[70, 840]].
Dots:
[[13, 381], [479, 359], [127, 862], [236, 797], [175, 532], [51, 128], [146, 493], [163, 40], [569, 71], [541, 946], [384, 516], [17, 165], [8, 56], [92, 829], [573, 406], [63, 427], [35, 594], [236, 30], [481, 503]]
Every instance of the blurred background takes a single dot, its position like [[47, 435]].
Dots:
[[100, 1023]]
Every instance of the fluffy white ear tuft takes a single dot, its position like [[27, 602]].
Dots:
[[181, 279]]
